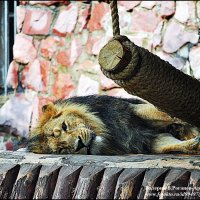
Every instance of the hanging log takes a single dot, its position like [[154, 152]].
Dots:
[[144, 74]]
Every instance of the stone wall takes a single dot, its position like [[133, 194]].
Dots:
[[58, 42]]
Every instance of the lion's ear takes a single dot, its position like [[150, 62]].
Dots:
[[48, 108]]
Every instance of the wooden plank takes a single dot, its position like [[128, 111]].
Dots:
[[193, 190], [108, 183], [8, 175], [175, 184], [123, 161], [26, 180], [66, 183], [46, 182], [88, 182], [152, 183], [129, 183]]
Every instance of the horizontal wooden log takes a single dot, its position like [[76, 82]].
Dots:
[[46, 182], [108, 183], [88, 182], [152, 183], [8, 175], [125, 161], [129, 183], [66, 183], [24, 186], [175, 184]]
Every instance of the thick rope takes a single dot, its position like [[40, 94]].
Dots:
[[158, 82], [115, 18]]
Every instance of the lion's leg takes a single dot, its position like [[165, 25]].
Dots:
[[165, 143], [152, 114], [165, 123]]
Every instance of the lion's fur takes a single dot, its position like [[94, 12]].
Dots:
[[107, 126]]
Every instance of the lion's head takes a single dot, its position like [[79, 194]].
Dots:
[[65, 128]]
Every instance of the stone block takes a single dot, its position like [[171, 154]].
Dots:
[[37, 22], [66, 20], [23, 49]]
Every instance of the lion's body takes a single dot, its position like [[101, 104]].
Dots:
[[106, 125]]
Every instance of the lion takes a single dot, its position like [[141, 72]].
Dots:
[[105, 125]]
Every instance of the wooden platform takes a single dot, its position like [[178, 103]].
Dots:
[[26, 175]]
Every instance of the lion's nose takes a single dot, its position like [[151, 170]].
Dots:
[[80, 144]]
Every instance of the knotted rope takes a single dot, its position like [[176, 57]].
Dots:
[[144, 74]]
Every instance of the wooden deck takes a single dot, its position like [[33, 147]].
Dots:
[[26, 175]]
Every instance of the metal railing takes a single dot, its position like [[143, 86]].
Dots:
[[7, 34]]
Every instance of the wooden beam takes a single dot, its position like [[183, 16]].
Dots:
[[125, 161]]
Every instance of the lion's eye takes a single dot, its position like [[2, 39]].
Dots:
[[64, 126]]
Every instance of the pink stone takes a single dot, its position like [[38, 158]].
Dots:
[[99, 10], [148, 4], [48, 46], [88, 66], [198, 9], [87, 86], [23, 49], [12, 77], [68, 58], [31, 76], [119, 92], [177, 62], [63, 86], [167, 8], [186, 12], [47, 3], [21, 11], [129, 4], [194, 58], [37, 22], [17, 116], [62, 58], [106, 83], [157, 34], [142, 40], [144, 21], [95, 43], [45, 67], [62, 27], [177, 35], [23, 2], [82, 18], [74, 51]]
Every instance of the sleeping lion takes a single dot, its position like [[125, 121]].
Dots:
[[104, 125]]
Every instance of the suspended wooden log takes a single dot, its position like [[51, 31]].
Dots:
[[144, 74]]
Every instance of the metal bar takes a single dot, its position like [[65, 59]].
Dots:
[[6, 44], [15, 18]]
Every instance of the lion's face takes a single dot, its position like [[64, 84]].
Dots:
[[64, 130]]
